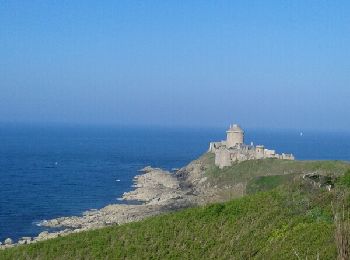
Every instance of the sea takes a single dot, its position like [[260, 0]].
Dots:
[[52, 171]]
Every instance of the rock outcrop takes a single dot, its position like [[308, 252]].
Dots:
[[8, 241], [155, 187]]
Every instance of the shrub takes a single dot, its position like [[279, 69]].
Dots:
[[345, 179]]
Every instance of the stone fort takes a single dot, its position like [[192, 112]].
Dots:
[[233, 149]]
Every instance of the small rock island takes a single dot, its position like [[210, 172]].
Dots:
[[233, 149]]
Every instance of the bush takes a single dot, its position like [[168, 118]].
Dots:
[[345, 179]]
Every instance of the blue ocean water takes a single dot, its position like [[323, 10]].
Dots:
[[47, 172]]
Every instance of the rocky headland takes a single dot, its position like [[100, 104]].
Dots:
[[157, 191]]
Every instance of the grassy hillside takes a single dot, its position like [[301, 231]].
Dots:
[[247, 170], [285, 218], [262, 175]]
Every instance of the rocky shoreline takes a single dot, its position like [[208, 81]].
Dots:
[[159, 191]]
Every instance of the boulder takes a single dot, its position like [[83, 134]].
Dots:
[[43, 235], [8, 241], [25, 240]]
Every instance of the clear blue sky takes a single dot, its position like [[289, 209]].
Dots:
[[278, 64]]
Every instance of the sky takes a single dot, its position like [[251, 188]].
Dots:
[[262, 64]]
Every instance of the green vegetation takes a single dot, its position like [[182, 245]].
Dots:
[[262, 175], [345, 179], [247, 170], [273, 225], [283, 217], [264, 183]]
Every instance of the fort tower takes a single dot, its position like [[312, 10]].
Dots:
[[235, 136]]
